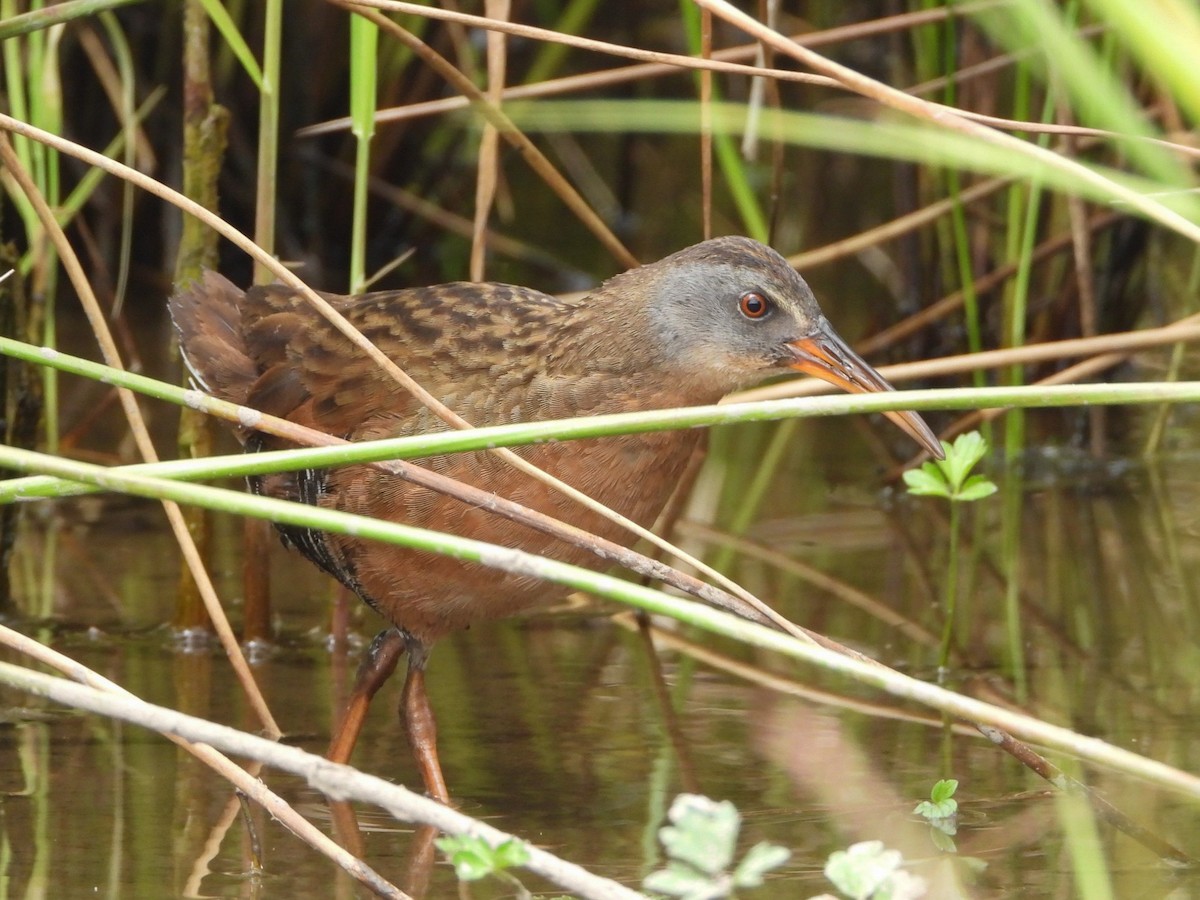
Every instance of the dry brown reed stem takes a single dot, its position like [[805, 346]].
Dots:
[[444, 219], [706, 133], [1018, 750], [664, 64], [814, 577], [954, 301], [110, 82], [345, 328], [1114, 347], [141, 434], [659, 64], [898, 227], [1186, 331], [670, 64], [951, 119], [1034, 761], [672, 640], [252, 786], [1085, 283], [488, 162], [534, 157]]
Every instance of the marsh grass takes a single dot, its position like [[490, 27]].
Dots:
[[1047, 228]]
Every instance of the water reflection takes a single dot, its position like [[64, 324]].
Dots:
[[550, 729]]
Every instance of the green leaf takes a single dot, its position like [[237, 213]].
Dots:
[[942, 839], [758, 861], [469, 864], [511, 853], [925, 809], [474, 858], [970, 447], [927, 481], [949, 477], [685, 882], [703, 834], [976, 488], [237, 44], [961, 457], [943, 790], [941, 803]]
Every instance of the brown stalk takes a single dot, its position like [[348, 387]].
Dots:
[[488, 165], [106, 73]]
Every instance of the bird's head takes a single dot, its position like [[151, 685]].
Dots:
[[731, 311]]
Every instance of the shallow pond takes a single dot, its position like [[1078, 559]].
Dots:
[[549, 726]]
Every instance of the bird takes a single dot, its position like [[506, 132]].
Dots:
[[694, 326]]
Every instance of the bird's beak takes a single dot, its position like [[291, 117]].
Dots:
[[825, 355]]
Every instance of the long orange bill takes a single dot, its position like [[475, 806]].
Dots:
[[825, 355]]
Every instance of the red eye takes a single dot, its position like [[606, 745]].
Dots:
[[754, 305]]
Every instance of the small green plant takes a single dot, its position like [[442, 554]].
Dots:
[[869, 871], [950, 478], [941, 803], [700, 843], [474, 858], [941, 811]]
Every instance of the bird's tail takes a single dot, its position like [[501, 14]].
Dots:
[[208, 319]]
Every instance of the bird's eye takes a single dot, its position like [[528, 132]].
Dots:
[[754, 305]]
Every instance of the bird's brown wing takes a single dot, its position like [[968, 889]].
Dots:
[[207, 317], [455, 339]]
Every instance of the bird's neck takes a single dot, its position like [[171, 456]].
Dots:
[[611, 352]]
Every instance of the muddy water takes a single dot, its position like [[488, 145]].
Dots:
[[549, 727]]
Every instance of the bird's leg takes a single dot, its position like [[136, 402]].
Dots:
[[420, 724], [422, 855], [376, 668]]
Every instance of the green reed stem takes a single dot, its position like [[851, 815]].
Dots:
[[550, 56], [951, 595], [268, 132], [734, 169], [364, 42], [750, 500], [125, 67]]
